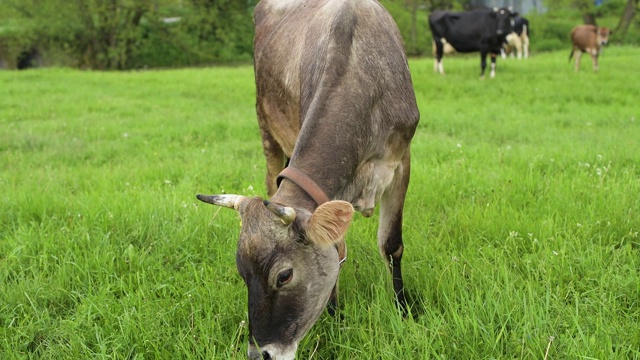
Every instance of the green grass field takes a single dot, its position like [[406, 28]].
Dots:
[[521, 224]]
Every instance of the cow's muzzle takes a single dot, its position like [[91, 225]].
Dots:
[[255, 354], [270, 352]]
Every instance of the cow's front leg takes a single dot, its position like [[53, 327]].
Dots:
[[483, 63], [594, 58], [332, 305], [493, 65], [390, 228]]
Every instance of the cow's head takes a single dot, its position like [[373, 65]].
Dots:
[[504, 20], [287, 258], [603, 34]]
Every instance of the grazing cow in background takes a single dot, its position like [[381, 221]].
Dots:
[[589, 39], [470, 31], [335, 103], [518, 39]]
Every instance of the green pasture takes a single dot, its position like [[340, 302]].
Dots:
[[521, 221]]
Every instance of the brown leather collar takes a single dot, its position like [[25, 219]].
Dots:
[[310, 187], [305, 183]]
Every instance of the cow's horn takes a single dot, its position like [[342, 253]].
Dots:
[[285, 213], [230, 201]]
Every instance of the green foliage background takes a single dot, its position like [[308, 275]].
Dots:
[[134, 34]]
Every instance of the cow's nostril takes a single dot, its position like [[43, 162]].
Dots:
[[266, 356]]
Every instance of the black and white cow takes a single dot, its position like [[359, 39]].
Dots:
[[518, 39], [470, 31]]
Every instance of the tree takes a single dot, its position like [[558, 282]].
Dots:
[[588, 10], [628, 13], [413, 6]]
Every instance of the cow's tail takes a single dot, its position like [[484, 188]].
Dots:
[[571, 54]]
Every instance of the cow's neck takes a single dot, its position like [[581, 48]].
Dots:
[[297, 189], [304, 182]]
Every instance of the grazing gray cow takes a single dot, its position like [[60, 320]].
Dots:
[[589, 39], [335, 103]]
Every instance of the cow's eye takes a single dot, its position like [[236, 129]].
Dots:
[[284, 277]]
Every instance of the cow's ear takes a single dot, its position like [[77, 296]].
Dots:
[[514, 14], [329, 222]]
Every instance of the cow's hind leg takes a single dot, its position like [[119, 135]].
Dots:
[[493, 65], [519, 47], [578, 56], [390, 228], [577, 53], [594, 59], [437, 66]]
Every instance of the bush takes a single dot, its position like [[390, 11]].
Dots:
[[611, 8], [633, 35], [158, 48], [550, 45], [84, 33]]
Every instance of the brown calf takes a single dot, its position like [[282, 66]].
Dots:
[[589, 39]]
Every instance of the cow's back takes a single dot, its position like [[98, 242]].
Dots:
[[584, 36], [336, 71]]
